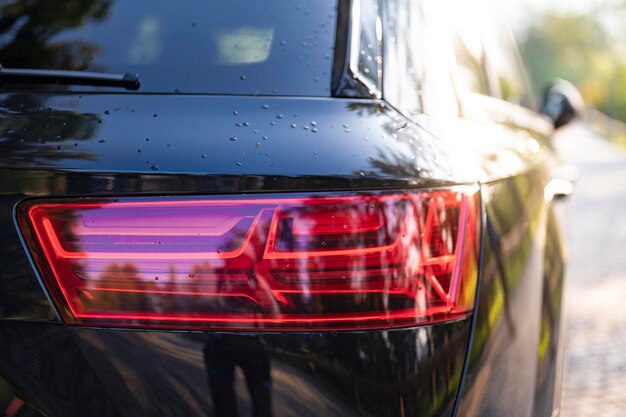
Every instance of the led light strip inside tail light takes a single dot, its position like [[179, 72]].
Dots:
[[290, 262]]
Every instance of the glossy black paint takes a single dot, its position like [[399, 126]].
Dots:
[[551, 345], [513, 365], [208, 135], [59, 145], [503, 358], [74, 372], [356, 145]]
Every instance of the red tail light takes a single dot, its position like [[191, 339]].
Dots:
[[273, 263]]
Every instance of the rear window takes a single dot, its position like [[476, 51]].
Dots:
[[268, 47]]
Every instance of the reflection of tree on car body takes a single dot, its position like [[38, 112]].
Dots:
[[35, 24]]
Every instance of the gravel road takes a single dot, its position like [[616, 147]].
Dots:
[[594, 224]]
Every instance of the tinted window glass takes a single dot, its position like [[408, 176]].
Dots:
[[402, 70], [509, 74], [418, 57], [503, 57], [468, 49], [282, 47]]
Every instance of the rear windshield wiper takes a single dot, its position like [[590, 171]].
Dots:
[[38, 76]]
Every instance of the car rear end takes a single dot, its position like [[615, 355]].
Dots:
[[252, 232]]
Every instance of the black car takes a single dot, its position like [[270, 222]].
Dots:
[[278, 207]]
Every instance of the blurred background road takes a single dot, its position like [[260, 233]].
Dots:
[[594, 225], [584, 41]]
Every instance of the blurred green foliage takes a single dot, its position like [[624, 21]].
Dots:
[[586, 49]]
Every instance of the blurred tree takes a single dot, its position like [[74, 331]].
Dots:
[[583, 50]]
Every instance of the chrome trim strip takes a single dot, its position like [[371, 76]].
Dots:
[[355, 47]]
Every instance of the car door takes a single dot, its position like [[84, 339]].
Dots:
[[494, 138], [513, 365]]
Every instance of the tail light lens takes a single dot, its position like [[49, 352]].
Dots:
[[273, 263]]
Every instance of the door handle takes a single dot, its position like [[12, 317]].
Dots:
[[562, 181]]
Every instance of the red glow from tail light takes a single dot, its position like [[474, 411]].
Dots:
[[324, 262]]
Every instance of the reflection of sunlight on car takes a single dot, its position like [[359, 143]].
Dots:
[[243, 45], [146, 47], [322, 208]]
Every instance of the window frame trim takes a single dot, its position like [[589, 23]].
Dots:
[[374, 87]]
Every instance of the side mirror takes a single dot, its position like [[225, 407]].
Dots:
[[562, 102]]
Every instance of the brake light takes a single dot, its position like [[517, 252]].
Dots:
[[326, 262]]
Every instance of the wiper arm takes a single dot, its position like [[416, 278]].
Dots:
[[36, 76]]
